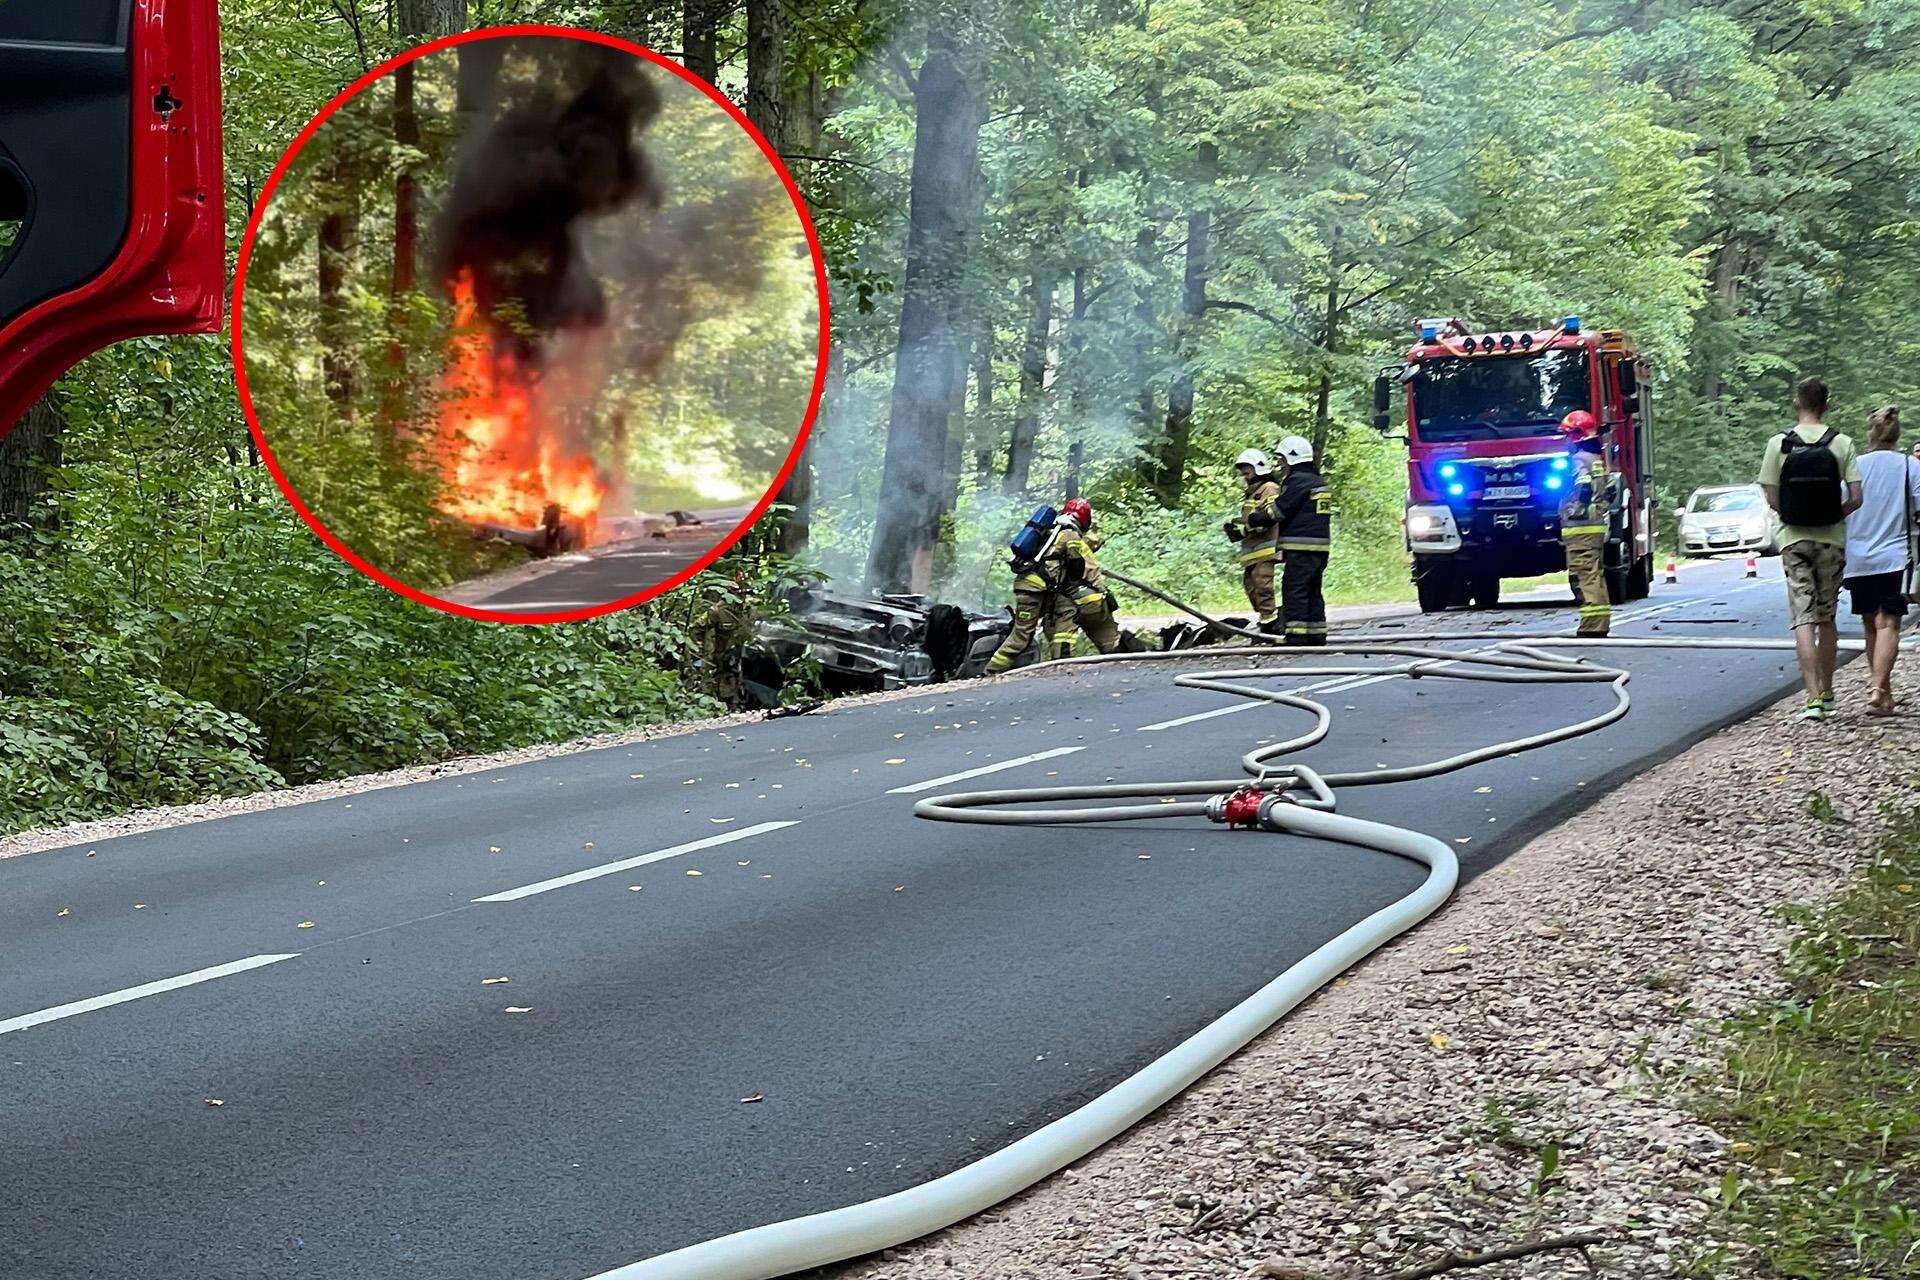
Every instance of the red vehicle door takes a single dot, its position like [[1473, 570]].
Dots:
[[112, 221]]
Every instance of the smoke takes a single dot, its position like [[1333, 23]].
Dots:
[[589, 254], [559, 147]]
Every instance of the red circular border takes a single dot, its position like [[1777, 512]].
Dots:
[[246, 393]]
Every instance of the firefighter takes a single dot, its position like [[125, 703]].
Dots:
[[1583, 522], [1061, 587], [1255, 532], [1303, 514]]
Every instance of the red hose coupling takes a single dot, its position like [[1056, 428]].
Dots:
[[1238, 809]]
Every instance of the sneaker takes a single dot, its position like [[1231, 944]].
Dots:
[[1815, 710], [1826, 702]]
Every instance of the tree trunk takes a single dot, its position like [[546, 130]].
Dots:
[[767, 70], [1727, 265], [983, 432], [25, 454], [945, 149], [417, 20], [1170, 481], [1145, 250], [699, 38], [1329, 342], [1033, 381], [414, 20], [339, 227]]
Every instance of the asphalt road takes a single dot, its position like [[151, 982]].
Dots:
[[827, 1011], [613, 571]]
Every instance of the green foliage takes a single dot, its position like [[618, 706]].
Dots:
[[1817, 1091], [1731, 183]]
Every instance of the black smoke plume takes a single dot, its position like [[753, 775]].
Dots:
[[554, 143]]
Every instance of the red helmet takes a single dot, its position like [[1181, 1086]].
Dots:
[[1081, 510], [1580, 424]]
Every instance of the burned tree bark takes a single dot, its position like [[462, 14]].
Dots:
[[1170, 479], [946, 145], [1033, 381]]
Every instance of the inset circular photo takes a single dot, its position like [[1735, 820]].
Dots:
[[530, 324]]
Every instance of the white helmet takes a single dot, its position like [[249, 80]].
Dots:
[[1295, 450], [1255, 459]]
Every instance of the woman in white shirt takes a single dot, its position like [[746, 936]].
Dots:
[[1877, 548]]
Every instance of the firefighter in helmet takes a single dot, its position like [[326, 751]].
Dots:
[[1303, 514], [1256, 534], [1060, 588], [1584, 517]]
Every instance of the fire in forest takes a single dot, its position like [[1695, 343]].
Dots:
[[504, 457], [529, 351]]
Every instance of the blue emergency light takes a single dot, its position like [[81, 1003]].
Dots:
[[1553, 482], [1456, 489], [1448, 471], [1429, 332], [1571, 324], [1560, 463]]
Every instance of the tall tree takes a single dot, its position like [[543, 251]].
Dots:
[[700, 37], [948, 113]]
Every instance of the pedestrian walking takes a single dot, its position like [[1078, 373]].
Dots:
[[1811, 476], [1880, 549]]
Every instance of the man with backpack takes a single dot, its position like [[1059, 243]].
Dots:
[[1811, 476]]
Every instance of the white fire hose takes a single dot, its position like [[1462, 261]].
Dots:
[[1288, 799]]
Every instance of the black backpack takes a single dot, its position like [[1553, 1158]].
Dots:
[[1809, 480]]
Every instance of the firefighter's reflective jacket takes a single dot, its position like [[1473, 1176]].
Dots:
[[1259, 525], [1590, 502], [1067, 564], [1304, 510]]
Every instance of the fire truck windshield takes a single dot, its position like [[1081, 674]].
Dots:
[[1496, 396]]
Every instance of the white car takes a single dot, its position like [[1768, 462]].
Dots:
[[1729, 518]]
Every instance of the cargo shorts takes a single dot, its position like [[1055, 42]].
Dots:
[[1813, 572]]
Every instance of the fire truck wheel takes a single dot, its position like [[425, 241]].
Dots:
[[1435, 591], [1640, 579], [1486, 591]]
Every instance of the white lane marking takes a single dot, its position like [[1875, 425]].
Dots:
[[59, 1011], [1325, 686], [625, 864], [984, 769]]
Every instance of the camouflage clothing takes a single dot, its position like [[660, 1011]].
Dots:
[[1813, 570]]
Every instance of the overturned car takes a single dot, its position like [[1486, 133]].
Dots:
[[865, 644]]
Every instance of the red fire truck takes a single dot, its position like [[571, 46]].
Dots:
[[1487, 467]]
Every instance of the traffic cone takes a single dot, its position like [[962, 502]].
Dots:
[[1753, 566], [1673, 570]]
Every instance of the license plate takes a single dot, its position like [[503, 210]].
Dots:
[[1500, 491]]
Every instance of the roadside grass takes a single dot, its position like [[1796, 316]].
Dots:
[[1820, 1094]]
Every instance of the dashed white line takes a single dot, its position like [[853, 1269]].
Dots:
[[59, 1011], [627, 864], [984, 769]]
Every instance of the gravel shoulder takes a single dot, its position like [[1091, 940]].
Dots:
[[1515, 1071]]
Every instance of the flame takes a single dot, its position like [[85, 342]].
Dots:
[[502, 457]]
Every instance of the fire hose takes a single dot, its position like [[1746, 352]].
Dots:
[[1289, 799]]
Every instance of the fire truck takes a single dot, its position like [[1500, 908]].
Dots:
[[1487, 466]]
